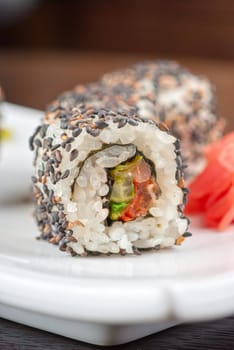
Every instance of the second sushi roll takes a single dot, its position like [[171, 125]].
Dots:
[[166, 92]]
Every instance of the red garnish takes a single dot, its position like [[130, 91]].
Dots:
[[212, 192], [142, 200]]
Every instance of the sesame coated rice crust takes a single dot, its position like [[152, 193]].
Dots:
[[74, 218], [165, 92]]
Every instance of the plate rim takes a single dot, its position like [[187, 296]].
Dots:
[[163, 301]]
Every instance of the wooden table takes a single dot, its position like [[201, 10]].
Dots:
[[34, 79], [216, 335]]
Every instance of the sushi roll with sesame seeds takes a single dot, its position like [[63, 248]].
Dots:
[[106, 182], [166, 92]]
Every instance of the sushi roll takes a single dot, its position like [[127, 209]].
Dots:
[[106, 181], [166, 92]]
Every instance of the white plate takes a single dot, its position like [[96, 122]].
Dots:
[[111, 300]]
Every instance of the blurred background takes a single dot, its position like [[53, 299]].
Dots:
[[47, 46]]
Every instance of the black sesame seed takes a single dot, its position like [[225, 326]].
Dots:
[[34, 179], [180, 207], [62, 246], [76, 132], [65, 174], [31, 139], [42, 216], [71, 238], [185, 200], [43, 130], [55, 147], [46, 190], [184, 166], [63, 116], [53, 179], [101, 114], [64, 240], [74, 154], [60, 206], [49, 207], [45, 144], [69, 232], [116, 120], [51, 169], [178, 174], [54, 217], [58, 176], [61, 215], [37, 142], [31, 146], [49, 141], [85, 120], [101, 124], [69, 140], [177, 144], [92, 116], [122, 123], [112, 114], [35, 157], [64, 224], [123, 113], [91, 131], [58, 156], [72, 252], [40, 173], [187, 234], [68, 147], [132, 122], [64, 124], [179, 162], [72, 127], [188, 220], [51, 195]]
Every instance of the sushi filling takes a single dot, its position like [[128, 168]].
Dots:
[[133, 191], [124, 179]]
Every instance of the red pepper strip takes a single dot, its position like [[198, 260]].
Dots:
[[221, 213], [207, 187], [141, 201], [212, 192]]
